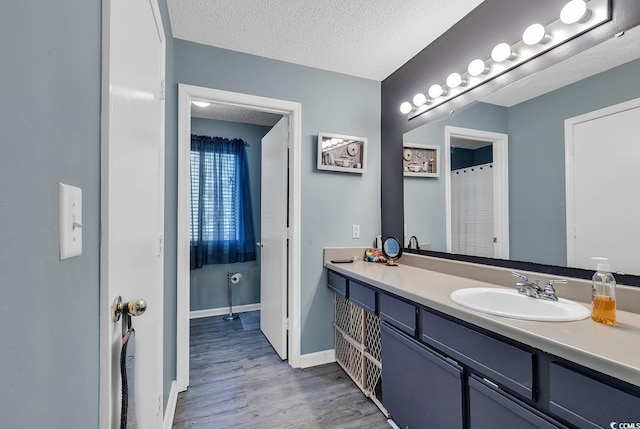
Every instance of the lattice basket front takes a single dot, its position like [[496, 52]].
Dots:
[[372, 335], [355, 328], [341, 307], [349, 358], [374, 379]]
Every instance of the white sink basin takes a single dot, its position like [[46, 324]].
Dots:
[[510, 303]]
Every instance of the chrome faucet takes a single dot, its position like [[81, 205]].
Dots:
[[533, 290], [549, 292]]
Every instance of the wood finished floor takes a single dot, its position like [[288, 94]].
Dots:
[[238, 381]]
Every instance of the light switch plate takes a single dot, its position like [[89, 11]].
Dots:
[[70, 221]]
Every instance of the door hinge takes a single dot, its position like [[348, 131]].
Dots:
[[160, 244], [162, 89], [160, 403], [286, 324]]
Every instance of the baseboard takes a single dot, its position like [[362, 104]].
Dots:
[[170, 411], [392, 424], [317, 358], [196, 314]]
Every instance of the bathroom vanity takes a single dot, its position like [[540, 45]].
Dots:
[[446, 366]]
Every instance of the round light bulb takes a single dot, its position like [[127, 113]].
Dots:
[[454, 80], [575, 11], [534, 34], [502, 52], [200, 103], [436, 91], [406, 107], [419, 99], [477, 67]]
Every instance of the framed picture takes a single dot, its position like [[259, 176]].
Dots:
[[421, 160], [342, 153]]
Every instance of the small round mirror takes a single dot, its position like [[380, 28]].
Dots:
[[392, 250]]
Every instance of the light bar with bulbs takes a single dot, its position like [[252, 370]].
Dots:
[[576, 17]]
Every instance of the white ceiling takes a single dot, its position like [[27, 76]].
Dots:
[[364, 38]]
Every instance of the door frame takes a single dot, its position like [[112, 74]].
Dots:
[[500, 144], [187, 93], [106, 405]]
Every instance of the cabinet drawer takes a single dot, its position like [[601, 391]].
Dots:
[[362, 295], [337, 283], [398, 313], [489, 409], [510, 366], [587, 402]]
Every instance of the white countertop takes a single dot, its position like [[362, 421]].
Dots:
[[610, 350]]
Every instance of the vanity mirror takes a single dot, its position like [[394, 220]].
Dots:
[[392, 250], [536, 183]]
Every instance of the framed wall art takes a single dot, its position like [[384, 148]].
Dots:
[[421, 160], [338, 152]]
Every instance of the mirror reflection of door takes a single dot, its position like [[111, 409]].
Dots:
[[476, 183], [472, 197]]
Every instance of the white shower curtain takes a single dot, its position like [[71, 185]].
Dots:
[[472, 211]]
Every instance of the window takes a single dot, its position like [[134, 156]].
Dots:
[[215, 227], [221, 222]]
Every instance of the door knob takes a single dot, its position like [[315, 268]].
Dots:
[[260, 244], [135, 307]]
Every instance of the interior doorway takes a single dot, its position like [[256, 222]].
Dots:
[[477, 192], [288, 316]]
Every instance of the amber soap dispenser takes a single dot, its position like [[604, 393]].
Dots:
[[603, 294]]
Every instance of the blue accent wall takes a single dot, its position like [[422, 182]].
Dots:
[[463, 158], [331, 201], [209, 284]]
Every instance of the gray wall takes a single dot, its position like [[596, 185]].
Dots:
[[50, 128], [331, 202], [424, 198], [537, 202], [209, 283]]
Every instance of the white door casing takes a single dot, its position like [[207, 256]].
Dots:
[[290, 109], [601, 167], [132, 202], [500, 183], [273, 240]]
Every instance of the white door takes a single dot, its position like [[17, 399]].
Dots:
[[602, 179], [132, 202], [273, 250]]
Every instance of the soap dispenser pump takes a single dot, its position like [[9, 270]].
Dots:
[[603, 294]]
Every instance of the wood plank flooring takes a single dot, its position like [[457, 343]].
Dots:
[[238, 381]]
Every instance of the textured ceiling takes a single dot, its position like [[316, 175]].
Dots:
[[365, 38]]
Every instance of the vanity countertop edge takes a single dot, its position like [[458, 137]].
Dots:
[[609, 350]]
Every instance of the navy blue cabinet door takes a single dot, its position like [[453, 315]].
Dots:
[[419, 388], [491, 409]]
